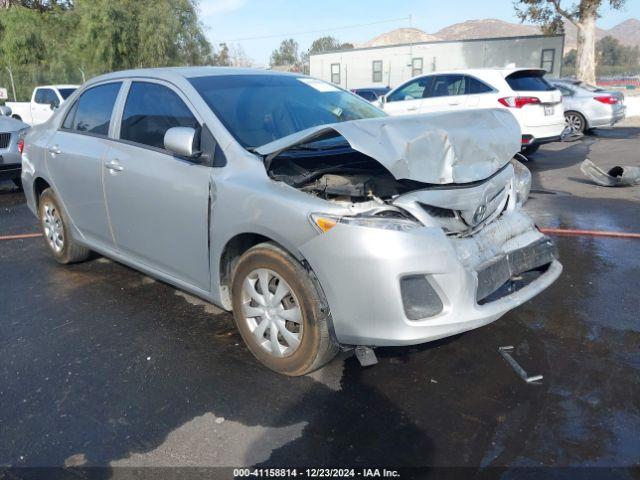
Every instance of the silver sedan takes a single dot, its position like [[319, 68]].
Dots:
[[317, 219], [11, 142], [587, 106]]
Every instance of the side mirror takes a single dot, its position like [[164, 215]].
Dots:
[[182, 141], [53, 105], [383, 99]]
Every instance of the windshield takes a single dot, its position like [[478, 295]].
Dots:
[[258, 109], [66, 92]]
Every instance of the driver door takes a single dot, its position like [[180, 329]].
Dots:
[[158, 203]]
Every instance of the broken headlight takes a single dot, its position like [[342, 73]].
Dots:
[[522, 181], [324, 222]]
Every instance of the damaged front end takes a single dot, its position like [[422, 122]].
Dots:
[[443, 244]]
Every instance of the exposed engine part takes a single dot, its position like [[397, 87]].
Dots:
[[340, 174]]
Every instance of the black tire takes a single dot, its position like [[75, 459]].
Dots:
[[576, 121], [530, 150], [16, 117], [316, 347], [69, 251], [17, 181]]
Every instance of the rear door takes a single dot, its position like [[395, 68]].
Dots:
[[479, 94], [158, 203], [74, 160], [531, 83], [448, 92], [409, 97]]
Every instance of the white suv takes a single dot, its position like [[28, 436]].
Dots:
[[536, 104]]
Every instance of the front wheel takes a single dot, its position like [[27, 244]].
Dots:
[[56, 230], [280, 312]]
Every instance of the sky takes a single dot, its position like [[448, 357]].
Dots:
[[241, 21]]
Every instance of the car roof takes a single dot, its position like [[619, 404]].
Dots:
[[171, 73], [480, 72]]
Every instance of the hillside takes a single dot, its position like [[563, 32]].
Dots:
[[627, 32]]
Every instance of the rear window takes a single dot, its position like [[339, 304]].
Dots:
[[529, 81]]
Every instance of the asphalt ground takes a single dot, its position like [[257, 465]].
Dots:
[[101, 366]]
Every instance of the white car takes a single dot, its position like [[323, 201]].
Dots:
[[44, 100], [536, 104]]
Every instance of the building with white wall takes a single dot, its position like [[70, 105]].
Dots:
[[391, 65]]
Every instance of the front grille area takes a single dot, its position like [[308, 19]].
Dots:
[[495, 274], [5, 140]]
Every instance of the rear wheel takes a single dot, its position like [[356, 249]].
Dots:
[[280, 311], [55, 228], [575, 122]]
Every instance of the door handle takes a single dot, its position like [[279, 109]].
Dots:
[[114, 166], [54, 150], [412, 108]]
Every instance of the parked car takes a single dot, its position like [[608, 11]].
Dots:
[[587, 106], [11, 143], [263, 193], [535, 103], [371, 94], [43, 101]]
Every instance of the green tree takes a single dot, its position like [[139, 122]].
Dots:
[[611, 53], [569, 60], [582, 14], [221, 58], [55, 41], [286, 54], [328, 44]]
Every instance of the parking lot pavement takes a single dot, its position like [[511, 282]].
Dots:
[[100, 365]]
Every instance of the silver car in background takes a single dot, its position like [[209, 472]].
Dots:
[[11, 143], [587, 106], [319, 220]]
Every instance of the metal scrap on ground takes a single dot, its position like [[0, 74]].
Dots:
[[504, 351], [615, 177]]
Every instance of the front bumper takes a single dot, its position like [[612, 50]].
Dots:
[[360, 270], [10, 160]]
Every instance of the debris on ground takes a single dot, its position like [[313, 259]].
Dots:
[[615, 177], [569, 135], [505, 352]]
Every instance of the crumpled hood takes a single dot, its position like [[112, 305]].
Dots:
[[440, 148]]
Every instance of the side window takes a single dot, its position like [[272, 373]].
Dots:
[[335, 73], [367, 95], [377, 71], [413, 90], [448, 85], [150, 111], [91, 113], [476, 86], [46, 96], [547, 59]]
